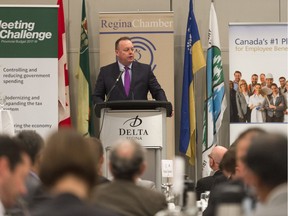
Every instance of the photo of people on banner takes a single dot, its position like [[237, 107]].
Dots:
[[262, 98]]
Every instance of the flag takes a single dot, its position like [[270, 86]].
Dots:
[[215, 103], [193, 61], [84, 115], [64, 118]]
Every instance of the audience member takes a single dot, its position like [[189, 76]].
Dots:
[[68, 171], [240, 145], [266, 162], [242, 101], [228, 163], [275, 106], [33, 144], [254, 81], [14, 167], [282, 81], [122, 195], [97, 146], [237, 78], [206, 183], [256, 105]]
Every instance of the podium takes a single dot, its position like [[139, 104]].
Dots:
[[144, 121]]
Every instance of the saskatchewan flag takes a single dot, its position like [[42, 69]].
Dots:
[[84, 115]]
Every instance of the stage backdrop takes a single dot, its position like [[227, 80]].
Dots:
[[152, 34], [256, 48], [29, 65]]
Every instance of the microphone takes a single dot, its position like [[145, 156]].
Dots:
[[117, 80]]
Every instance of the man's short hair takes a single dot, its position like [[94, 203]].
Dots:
[[97, 147], [31, 142], [126, 167], [237, 72], [10, 148], [121, 39], [267, 158], [67, 152]]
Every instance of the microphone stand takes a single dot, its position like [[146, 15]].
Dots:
[[117, 80]]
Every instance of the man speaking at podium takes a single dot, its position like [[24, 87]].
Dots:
[[126, 79]]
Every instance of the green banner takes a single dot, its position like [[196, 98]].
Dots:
[[28, 32]]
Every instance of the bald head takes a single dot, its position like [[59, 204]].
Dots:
[[216, 156], [127, 160]]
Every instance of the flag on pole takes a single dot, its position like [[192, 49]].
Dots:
[[84, 115], [193, 61], [215, 103], [64, 118]]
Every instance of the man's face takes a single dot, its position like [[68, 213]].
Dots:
[[282, 82], [14, 182], [237, 77], [125, 52], [269, 81], [262, 78], [254, 80]]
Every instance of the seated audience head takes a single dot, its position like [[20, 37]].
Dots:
[[33, 144], [127, 160], [266, 162], [228, 163], [68, 157], [98, 151], [216, 156], [14, 167], [243, 142]]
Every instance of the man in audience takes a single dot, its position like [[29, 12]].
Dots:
[[241, 145], [67, 170], [14, 167], [122, 195], [206, 183], [33, 144], [266, 162], [98, 150]]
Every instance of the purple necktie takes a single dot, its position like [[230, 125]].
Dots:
[[127, 80]]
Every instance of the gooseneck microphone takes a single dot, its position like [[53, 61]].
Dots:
[[117, 80]]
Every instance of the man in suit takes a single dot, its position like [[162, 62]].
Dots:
[[14, 167], [275, 105], [33, 144], [123, 195], [126, 79], [206, 183], [266, 172]]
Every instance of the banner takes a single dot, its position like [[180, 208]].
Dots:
[[259, 51], [29, 65]]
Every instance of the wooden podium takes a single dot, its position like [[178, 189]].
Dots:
[[144, 121]]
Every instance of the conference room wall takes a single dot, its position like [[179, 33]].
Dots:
[[227, 11]]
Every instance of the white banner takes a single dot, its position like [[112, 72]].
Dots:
[[29, 65], [258, 48]]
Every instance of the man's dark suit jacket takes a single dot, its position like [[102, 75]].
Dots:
[[129, 199], [143, 80], [206, 183], [70, 205]]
